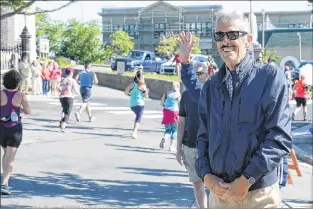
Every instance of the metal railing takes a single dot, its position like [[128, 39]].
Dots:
[[10, 57]]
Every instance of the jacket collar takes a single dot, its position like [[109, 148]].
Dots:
[[242, 69]]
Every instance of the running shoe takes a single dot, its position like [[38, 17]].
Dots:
[[162, 143], [134, 135], [5, 190], [92, 118], [77, 116]]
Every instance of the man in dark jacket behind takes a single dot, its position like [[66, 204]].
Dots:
[[244, 116]]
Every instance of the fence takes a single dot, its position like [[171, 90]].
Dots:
[[10, 57]]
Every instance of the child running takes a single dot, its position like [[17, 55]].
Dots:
[[11, 129], [67, 87], [170, 103], [138, 92]]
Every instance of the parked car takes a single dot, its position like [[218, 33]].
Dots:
[[169, 67], [147, 59]]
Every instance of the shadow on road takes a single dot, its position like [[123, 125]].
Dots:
[[138, 149], [110, 193], [154, 172]]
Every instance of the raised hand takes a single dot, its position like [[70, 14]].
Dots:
[[185, 46]]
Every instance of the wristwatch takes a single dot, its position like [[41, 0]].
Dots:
[[250, 179]]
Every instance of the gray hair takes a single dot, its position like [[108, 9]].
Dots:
[[226, 16], [201, 64]]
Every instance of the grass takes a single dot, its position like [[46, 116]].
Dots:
[[147, 75]]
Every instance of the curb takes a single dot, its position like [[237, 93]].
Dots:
[[303, 156]]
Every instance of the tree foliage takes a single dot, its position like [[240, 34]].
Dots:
[[270, 54], [14, 7], [118, 43], [170, 46], [82, 41], [52, 30]]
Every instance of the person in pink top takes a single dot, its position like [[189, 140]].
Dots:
[[55, 75], [12, 103]]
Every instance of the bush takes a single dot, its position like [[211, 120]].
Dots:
[[63, 62]]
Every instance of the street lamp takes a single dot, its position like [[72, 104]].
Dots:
[[263, 28], [300, 51]]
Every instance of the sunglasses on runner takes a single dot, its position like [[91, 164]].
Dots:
[[231, 35], [200, 73]]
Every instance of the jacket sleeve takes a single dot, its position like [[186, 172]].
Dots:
[[190, 80], [278, 140], [203, 163]]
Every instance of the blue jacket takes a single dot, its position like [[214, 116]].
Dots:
[[250, 133]]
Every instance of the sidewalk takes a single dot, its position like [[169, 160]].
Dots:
[[302, 143]]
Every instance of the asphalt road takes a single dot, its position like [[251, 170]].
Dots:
[[99, 164]]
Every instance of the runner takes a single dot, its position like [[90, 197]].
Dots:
[[138, 92], [67, 87], [11, 130], [170, 102], [301, 93], [86, 78]]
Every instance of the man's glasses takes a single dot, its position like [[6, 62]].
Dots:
[[200, 73], [231, 35]]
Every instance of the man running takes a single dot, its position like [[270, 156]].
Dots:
[[86, 78], [188, 126]]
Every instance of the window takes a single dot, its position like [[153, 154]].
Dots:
[[167, 26], [291, 26], [156, 26], [209, 25], [125, 27], [161, 26], [131, 28], [187, 26], [193, 26], [198, 25], [203, 26]]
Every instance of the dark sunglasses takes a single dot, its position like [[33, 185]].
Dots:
[[200, 73], [231, 35]]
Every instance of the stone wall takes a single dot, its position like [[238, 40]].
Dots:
[[156, 87]]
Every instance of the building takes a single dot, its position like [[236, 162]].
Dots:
[[149, 24], [12, 27], [287, 44], [159, 20]]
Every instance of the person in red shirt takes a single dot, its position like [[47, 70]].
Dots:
[[178, 61], [301, 93]]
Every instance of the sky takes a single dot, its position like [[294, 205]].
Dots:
[[88, 10]]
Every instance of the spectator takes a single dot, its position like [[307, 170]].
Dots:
[[36, 78], [245, 126], [25, 72]]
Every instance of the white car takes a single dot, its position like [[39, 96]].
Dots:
[[169, 67]]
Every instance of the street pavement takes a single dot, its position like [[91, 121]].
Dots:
[[99, 164]]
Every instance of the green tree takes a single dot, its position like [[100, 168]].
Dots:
[[14, 7], [270, 54], [170, 46], [82, 41], [52, 30], [118, 43]]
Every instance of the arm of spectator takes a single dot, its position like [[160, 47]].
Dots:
[[202, 164], [278, 140], [191, 82]]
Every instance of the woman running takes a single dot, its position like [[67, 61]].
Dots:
[[68, 86], [11, 130], [138, 92], [170, 102]]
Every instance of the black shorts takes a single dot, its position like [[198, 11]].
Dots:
[[301, 101], [85, 92], [12, 136]]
